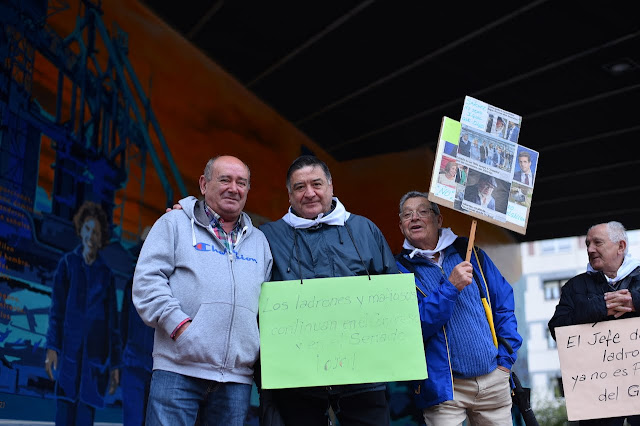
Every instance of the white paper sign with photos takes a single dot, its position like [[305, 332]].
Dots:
[[494, 176]]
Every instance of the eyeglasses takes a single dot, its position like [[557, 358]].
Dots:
[[408, 215]]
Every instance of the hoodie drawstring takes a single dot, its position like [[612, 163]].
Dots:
[[193, 232], [339, 235], [297, 247], [357, 251], [292, 248], [240, 236]]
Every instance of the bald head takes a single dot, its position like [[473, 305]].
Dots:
[[225, 185]]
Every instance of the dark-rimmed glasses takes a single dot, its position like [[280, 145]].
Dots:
[[422, 213]]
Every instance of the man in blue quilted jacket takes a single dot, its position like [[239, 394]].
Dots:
[[468, 371]]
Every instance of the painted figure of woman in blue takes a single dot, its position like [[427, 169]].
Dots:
[[83, 342]]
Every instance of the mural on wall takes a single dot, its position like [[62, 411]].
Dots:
[[76, 166], [66, 256]]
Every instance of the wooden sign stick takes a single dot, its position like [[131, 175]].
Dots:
[[472, 237]]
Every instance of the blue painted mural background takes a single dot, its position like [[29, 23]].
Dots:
[[92, 143]]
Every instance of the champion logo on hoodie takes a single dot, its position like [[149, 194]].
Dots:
[[211, 248]]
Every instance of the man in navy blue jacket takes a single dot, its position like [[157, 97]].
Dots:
[[468, 373], [319, 238]]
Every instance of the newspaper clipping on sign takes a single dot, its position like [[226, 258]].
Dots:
[[481, 170]]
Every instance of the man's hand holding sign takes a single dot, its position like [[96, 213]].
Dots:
[[466, 306]]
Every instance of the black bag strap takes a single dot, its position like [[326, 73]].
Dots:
[[407, 265], [460, 244], [405, 262]]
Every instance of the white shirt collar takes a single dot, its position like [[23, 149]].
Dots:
[[629, 264], [338, 216], [446, 238]]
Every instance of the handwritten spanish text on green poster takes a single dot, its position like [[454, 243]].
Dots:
[[331, 331]]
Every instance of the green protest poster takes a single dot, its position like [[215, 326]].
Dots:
[[331, 331]]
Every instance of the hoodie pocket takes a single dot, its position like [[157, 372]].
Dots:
[[206, 338], [68, 377], [245, 345]]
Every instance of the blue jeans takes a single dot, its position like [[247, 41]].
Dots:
[[175, 399]]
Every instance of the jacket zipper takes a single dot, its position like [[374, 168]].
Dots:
[[446, 341], [233, 304], [233, 311], [231, 258]]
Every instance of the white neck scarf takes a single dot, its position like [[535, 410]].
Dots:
[[338, 216], [628, 265], [446, 238]]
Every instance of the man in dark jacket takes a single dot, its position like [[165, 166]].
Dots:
[[610, 289], [464, 146], [468, 371], [319, 238]]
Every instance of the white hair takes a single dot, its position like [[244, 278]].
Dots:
[[616, 233]]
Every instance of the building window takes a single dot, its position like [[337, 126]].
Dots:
[[552, 289], [551, 343], [558, 245], [555, 383]]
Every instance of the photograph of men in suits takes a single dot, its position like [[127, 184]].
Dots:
[[484, 152], [464, 146], [526, 173], [513, 130]]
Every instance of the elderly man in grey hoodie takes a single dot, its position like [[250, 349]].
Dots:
[[197, 282]]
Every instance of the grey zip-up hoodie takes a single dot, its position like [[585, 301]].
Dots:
[[184, 271]]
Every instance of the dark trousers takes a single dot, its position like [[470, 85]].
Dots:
[[73, 413], [611, 421], [361, 409], [135, 386]]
